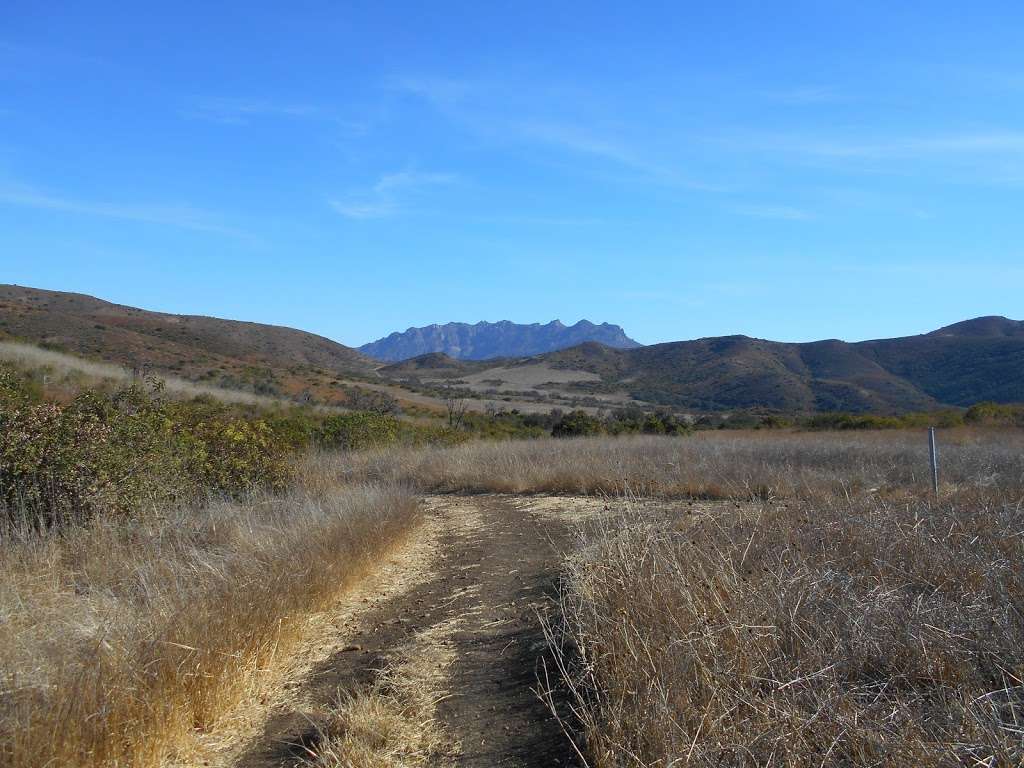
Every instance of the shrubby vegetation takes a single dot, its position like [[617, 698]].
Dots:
[[630, 421], [844, 421], [118, 452], [995, 414]]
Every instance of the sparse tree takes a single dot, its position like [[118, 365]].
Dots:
[[361, 399], [456, 405]]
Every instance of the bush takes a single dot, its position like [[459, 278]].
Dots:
[[868, 421], [996, 414], [118, 453], [634, 421], [577, 424], [357, 430]]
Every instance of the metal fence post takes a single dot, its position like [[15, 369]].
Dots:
[[933, 455]]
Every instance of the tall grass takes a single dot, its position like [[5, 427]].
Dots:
[[711, 464], [857, 621], [118, 639]]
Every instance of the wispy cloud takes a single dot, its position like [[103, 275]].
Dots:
[[581, 141], [393, 182], [243, 111], [958, 144], [387, 195], [896, 147], [178, 216], [513, 113], [803, 95], [781, 212], [439, 91], [363, 209]]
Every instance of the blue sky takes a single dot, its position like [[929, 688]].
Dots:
[[793, 170]]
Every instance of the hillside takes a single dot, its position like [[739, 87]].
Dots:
[[961, 364], [981, 359], [956, 366], [226, 352], [482, 341]]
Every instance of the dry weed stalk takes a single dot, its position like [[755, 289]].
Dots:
[[810, 633]]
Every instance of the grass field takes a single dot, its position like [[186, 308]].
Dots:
[[837, 614], [825, 610], [721, 465]]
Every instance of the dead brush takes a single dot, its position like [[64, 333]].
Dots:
[[842, 633]]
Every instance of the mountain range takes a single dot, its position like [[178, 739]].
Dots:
[[958, 365], [972, 361], [482, 341], [961, 364]]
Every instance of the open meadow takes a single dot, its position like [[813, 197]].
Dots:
[[195, 589]]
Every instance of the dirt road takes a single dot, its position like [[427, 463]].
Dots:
[[459, 609]]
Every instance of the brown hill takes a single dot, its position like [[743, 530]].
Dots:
[[969, 362], [230, 352], [961, 364]]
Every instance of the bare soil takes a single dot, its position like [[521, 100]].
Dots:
[[476, 579]]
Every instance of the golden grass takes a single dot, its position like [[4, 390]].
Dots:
[[394, 724], [841, 618], [841, 632], [717, 464], [118, 641]]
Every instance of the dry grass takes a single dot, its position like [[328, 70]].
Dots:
[[711, 464], [66, 375], [855, 631], [118, 640], [839, 618], [394, 724]]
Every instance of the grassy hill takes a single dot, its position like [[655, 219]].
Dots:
[[977, 360], [263, 358], [961, 364]]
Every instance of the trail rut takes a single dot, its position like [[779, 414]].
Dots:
[[484, 567]]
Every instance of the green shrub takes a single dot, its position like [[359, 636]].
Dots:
[[17, 386], [118, 453], [634, 421], [577, 424], [844, 421], [233, 456], [65, 462], [357, 430], [997, 414]]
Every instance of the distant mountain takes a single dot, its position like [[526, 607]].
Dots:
[[965, 363], [482, 341], [959, 365], [229, 352]]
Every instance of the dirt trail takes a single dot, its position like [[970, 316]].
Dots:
[[482, 568]]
